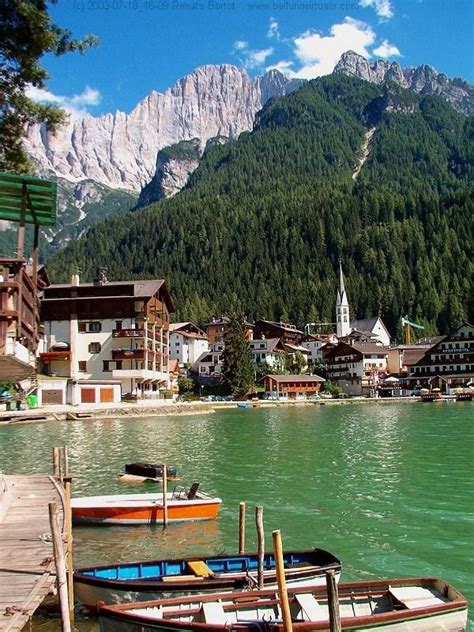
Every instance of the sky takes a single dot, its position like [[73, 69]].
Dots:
[[148, 45]]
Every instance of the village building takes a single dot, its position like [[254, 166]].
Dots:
[[105, 340], [285, 332], [209, 364], [401, 358], [187, 343], [269, 351], [314, 343], [292, 386], [448, 364], [356, 368], [23, 200], [216, 329]]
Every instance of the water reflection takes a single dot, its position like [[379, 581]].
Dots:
[[388, 488], [107, 545]]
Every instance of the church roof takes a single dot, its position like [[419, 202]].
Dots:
[[364, 325]]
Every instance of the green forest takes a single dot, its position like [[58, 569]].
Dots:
[[265, 219]]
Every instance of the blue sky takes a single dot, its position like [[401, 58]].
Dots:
[[147, 45]]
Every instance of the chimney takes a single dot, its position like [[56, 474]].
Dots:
[[75, 279]]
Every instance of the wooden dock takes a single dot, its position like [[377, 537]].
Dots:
[[27, 569]]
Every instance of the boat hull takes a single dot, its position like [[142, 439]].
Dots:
[[137, 509], [452, 622], [146, 581], [90, 595], [411, 605]]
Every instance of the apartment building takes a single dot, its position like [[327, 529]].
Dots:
[[187, 343], [105, 340]]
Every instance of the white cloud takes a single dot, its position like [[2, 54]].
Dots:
[[318, 54], [251, 58], [77, 105], [273, 29], [284, 66], [386, 50], [240, 45], [256, 58], [383, 8]]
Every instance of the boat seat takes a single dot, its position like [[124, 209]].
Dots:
[[193, 490], [311, 610], [214, 613], [198, 567], [414, 596]]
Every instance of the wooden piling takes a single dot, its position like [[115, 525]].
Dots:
[[165, 496], [70, 562], [66, 461], [241, 528], [61, 465], [282, 591], [261, 544], [333, 602], [56, 457], [60, 567]]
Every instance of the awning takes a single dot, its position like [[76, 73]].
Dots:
[[23, 198]]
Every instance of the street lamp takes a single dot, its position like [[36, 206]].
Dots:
[[200, 388]]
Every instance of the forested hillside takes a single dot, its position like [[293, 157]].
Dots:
[[265, 219]]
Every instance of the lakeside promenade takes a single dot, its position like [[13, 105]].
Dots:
[[156, 408]]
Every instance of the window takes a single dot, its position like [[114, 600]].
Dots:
[[82, 327], [95, 327], [95, 347], [106, 366], [82, 366], [118, 324], [118, 365]]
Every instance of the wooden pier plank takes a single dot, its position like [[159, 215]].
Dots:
[[27, 572]]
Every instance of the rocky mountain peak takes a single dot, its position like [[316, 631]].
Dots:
[[422, 79], [120, 150]]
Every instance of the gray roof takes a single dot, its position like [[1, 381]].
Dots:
[[296, 378], [364, 325]]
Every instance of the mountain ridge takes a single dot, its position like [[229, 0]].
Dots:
[[264, 219]]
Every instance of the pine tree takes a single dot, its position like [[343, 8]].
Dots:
[[237, 366]]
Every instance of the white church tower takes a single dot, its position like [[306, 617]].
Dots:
[[343, 321]]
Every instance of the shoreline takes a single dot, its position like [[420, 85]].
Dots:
[[150, 408]]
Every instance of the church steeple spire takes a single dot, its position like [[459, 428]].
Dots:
[[343, 326]]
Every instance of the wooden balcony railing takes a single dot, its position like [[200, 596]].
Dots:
[[128, 354]]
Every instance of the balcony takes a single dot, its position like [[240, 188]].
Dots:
[[54, 356], [139, 374], [128, 354], [128, 333]]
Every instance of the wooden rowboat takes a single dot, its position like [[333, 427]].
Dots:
[[391, 605], [144, 581], [130, 509]]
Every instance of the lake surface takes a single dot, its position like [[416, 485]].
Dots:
[[389, 488]]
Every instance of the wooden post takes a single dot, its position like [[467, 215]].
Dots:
[[56, 462], [66, 462], [241, 528], [61, 461], [34, 278], [282, 592], [165, 497], [261, 544], [20, 235], [333, 602], [70, 563], [60, 567]]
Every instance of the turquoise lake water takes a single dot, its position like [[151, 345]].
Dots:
[[389, 488]]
